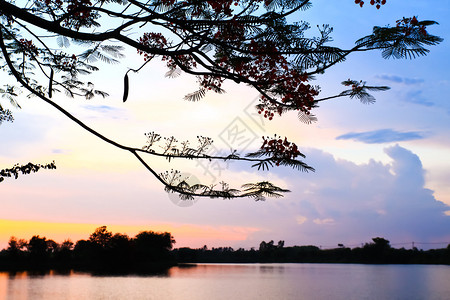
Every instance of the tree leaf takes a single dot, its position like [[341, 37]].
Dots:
[[62, 41], [195, 96]]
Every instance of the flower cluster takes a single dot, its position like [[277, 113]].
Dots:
[[267, 113], [232, 31], [168, 2], [29, 48], [218, 6], [80, 8], [152, 40], [158, 40], [58, 3], [186, 61], [281, 149], [272, 72], [68, 62], [211, 82], [356, 86], [268, 108], [79, 13], [222, 6], [409, 24], [372, 2]]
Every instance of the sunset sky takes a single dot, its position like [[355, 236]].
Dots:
[[381, 170]]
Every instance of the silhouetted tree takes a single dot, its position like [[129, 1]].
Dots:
[[263, 246], [120, 248], [52, 246], [378, 251], [263, 44], [64, 252], [67, 245], [381, 243], [37, 248], [101, 237], [15, 248], [16, 245], [153, 246]]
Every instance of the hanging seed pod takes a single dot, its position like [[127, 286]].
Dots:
[[50, 84], [125, 87]]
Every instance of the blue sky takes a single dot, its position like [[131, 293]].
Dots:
[[381, 169]]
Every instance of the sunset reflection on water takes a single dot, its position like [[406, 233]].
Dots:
[[237, 281]]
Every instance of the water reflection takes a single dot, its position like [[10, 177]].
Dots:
[[272, 268], [38, 273], [240, 281], [211, 269]]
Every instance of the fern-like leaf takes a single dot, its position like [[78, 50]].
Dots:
[[62, 41], [305, 118], [195, 96], [263, 189], [264, 165], [297, 164], [173, 73]]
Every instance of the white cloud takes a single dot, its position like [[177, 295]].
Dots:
[[327, 221], [382, 136], [399, 79], [301, 219], [360, 202]]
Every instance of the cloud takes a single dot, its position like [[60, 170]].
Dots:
[[328, 221], [417, 97], [398, 79], [301, 219], [343, 202], [382, 136], [59, 151], [111, 111], [411, 96], [101, 108]]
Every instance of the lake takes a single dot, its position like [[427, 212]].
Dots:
[[239, 281]]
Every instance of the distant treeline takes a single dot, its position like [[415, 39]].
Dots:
[[151, 251], [378, 251]]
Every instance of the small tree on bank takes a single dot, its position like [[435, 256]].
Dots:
[[246, 41]]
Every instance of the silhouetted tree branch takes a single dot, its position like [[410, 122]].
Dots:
[[24, 169], [246, 41]]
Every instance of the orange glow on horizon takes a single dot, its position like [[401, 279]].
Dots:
[[186, 235]]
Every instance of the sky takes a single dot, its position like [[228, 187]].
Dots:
[[382, 170]]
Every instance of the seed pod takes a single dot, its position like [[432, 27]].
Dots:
[[50, 84], [125, 87]]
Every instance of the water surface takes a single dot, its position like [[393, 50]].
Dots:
[[239, 281]]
